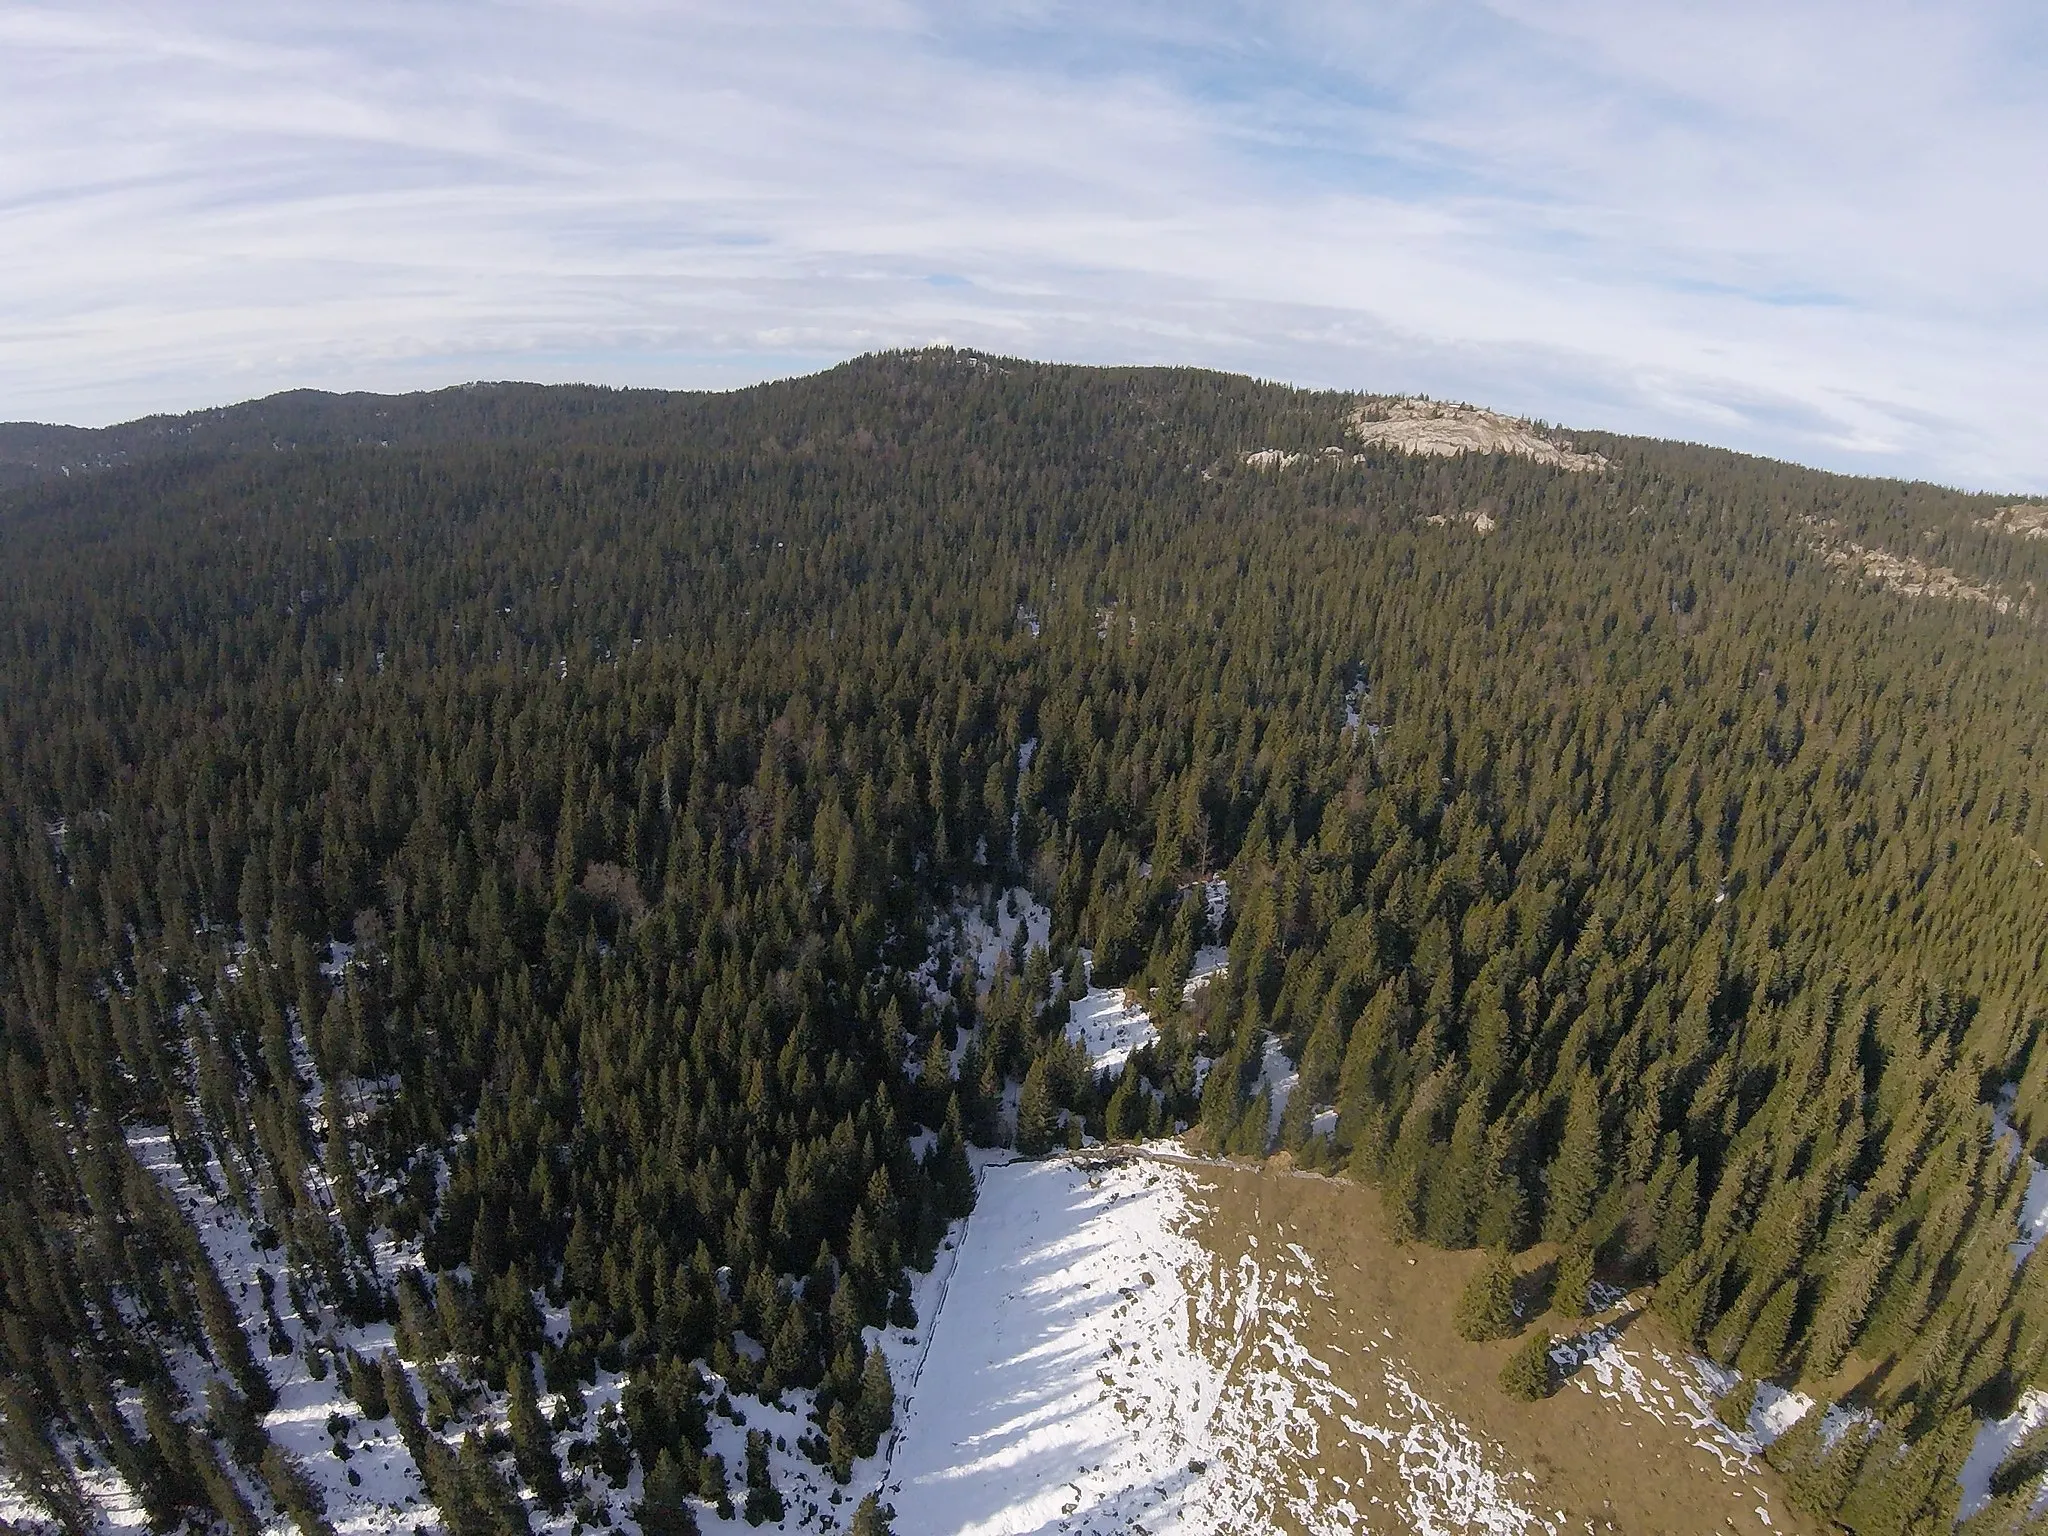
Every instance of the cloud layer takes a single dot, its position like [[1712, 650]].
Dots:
[[1814, 232]]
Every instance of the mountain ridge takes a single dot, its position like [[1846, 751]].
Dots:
[[491, 410], [554, 911]]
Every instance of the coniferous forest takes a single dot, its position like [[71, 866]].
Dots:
[[506, 827]]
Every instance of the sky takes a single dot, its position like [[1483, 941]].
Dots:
[[1812, 230]]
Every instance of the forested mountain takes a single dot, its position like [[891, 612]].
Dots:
[[308, 418], [492, 838]]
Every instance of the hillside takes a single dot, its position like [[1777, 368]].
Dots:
[[32, 453], [517, 907]]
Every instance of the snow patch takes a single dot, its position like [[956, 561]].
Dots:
[[1995, 1441], [1110, 1027], [1278, 1078], [1680, 1393], [2033, 1219], [965, 936], [1451, 1486], [1211, 961]]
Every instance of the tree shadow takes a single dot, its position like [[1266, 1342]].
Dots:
[[1570, 1352], [1532, 1293]]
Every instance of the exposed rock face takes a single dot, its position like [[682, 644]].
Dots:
[[2022, 522], [1907, 575], [1279, 458], [1424, 426], [1478, 519]]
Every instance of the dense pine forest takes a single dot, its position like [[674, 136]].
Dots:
[[494, 840]]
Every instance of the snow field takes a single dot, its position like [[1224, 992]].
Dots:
[[1061, 1390], [1097, 1369]]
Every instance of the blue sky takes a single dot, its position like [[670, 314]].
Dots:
[[1812, 230]]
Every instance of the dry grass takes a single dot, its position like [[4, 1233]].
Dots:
[[1382, 1327]]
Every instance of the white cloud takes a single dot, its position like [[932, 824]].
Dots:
[[1813, 231]]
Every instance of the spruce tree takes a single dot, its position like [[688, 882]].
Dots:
[[1578, 1170], [366, 1386], [44, 1476], [711, 1484], [1527, 1374], [296, 1493], [764, 1499], [1035, 1111], [1571, 1279], [533, 1448], [1732, 1407], [223, 1493], [1503, 1214], [876, 1408], [871, 1517], [1846, 1301], [792, 1355], [1486, 1307], [951, 1173], [492, 1504], [1763, 1350], [1122, 1117], [839, 1444], [664, 1502], [1678, 1231], [405, 1408]]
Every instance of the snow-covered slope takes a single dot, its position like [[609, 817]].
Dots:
[[1063, 1390], [1110, 1026], [1097, 1369]]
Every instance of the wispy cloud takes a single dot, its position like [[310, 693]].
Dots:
[[1811, 230]]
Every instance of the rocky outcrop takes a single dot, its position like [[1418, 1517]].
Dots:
[[2022, 521], [1427, 427]]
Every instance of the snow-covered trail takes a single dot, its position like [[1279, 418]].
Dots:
[[938, 1287]]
